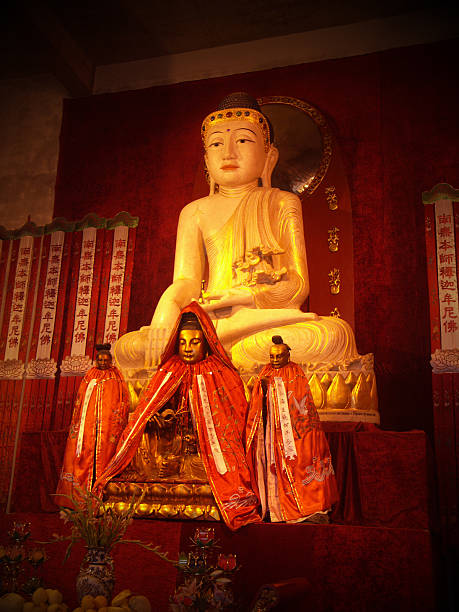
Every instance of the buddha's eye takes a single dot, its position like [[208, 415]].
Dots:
[[215, 144], [244, 140]]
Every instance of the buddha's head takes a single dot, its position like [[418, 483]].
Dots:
[[191, 343], [103, 357], [279, 354], [238, 143]]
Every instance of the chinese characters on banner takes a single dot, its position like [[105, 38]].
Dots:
[[84, 292], [36, 305], [18, 304], [447, 274], [51, 305], [115, 289], [441, 211], [50, 296]]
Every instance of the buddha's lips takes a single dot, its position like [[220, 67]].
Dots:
[[230, 167]]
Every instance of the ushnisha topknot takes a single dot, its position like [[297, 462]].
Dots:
[[103, 348], [243, 107], [241, 99], [279, 340], [189, 321]]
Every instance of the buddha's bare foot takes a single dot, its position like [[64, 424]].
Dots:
[[169, 467]]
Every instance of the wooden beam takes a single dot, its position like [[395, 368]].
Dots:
[[70, 64]]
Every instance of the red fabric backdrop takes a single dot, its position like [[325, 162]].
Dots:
[[395, 117]]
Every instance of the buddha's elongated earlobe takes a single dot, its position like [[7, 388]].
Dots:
[[213, 187], [270, 163]]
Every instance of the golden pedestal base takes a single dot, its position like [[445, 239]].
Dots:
[[345, 396], [164, 500]]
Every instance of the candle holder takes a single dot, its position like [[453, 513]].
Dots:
[[208, 576]]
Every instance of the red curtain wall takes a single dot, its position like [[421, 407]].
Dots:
[[395, 117]]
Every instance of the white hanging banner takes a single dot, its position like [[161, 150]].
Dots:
[[284, 418], [50, 296], [447, 274], [84, 292], [115, 290], [21, 285], [217, 454]]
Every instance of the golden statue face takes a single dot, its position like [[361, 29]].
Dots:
[[191, 345], [235, 153], [279, 356], [103, 361]]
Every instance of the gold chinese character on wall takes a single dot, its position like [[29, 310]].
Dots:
[[332, 198], [333, 239], [334, 281]]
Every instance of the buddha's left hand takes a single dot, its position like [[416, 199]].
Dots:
[[239, 296]]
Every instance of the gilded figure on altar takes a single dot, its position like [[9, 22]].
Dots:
[[188, 428]]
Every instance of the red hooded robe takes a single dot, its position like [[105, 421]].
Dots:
[[98, 421], [216, 399], [288, 448]]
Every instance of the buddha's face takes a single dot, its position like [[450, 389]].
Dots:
[[279, 356], [103, 361], [235, 153], [191, 345]]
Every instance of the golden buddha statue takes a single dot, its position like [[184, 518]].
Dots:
[[183, 446], [168, 449], [245, 243]]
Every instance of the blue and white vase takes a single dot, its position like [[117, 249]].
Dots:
[[96, 576]]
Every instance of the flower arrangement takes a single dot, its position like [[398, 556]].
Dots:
[[98, 525], [207, 581]]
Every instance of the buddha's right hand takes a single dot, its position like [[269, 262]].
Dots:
[[164, 418], [224, 301], [157, 340]]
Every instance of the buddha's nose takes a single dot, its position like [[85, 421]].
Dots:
[[229, 149]]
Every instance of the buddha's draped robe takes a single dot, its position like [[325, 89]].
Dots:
[[218, 406], [288, 448], [261, 247], [100, 415]]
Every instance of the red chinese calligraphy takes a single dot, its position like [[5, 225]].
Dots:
[[448, 313]]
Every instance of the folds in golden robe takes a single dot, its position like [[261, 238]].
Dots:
[[288, 448], [100, 415], [217, 402]]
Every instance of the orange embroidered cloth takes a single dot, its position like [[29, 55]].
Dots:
[[99, 418], [287, 446], [217, 402]]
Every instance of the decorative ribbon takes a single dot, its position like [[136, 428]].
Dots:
[[212, 434], [284, 417], [87, 397]]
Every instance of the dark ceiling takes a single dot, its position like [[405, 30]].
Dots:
[[61, 36]]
